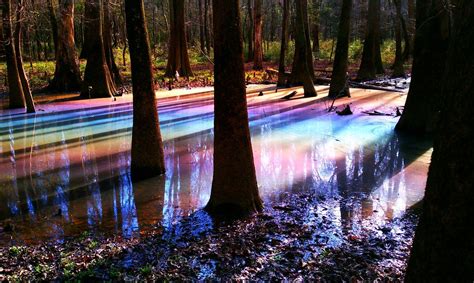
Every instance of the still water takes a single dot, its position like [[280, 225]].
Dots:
[[66, 169]]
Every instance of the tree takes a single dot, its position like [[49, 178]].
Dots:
[[67, 76], [431, 46], [109, 53], [97, 78], [315, 24], [398, 69], [339, 85], [258, 29], [371, 57], [30, 105], [147, 146], [178, 60], [17, 97], [234, 186], [303, 70], [284, 43], [250, 28], [443, 246]]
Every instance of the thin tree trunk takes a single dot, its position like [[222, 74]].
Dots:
[[315, 25], [443, 245], [258, 35], [30, 105], [109, 52], [234, 187], [398, 70], [206, 26], [339, 86], [54, 25], [284, 43], [147, 146], [250, 30], [15, 88], [67, 76], [202, 43]]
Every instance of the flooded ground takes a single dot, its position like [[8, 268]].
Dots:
[[65, 170]]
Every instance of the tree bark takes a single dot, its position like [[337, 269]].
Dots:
[[54, 25], [250, 30], [178, 60], [147, 146], [443, 246], [284, 43], [371, 60], [301, 73], [234, 187], [315, 25], [431, 46], [16, 95], [67, 76], [97, 78], [109, 52], [258, 30], [30, 105], [202, 43], [398, 70], [339, 86]]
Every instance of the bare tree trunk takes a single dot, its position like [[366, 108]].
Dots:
[[97, 78], [284, 43], [431, 46], [250, 30], [339, 86], [147, 146], [258, 30], [398, 70], [234, 187], [109, 53], [30, 105], [206, 26], [443, 245], [67, 76], [202, 43], [54, 24], [301, 74], [17, 97], [315, 25], [178, 60]]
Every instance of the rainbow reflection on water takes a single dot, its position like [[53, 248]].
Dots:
[[74, 158]]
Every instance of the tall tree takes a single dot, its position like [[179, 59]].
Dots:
[[234, 186], [431, 46], [15, 89], [302, 72], [370, 64], [178, 60], [250, 29], [30, 105], [284, 43], [339, 86], [109, 53], [98, 81], [147, 146], [315, 24], [443, 249], [54, 23], [67, 76], [398, 69], [258, 36]]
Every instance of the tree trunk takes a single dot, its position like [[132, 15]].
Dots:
[[284, 43], [17, 97], [202, 43], [431, 46], [315, 25], [443, 246], [147, 146], [398, 70], [178, 60], [234, 187], [89, 32], [300, 73], [67, 76], [371, 53], [109, 52], [206, 26], [30, 105], [54, 25], [258, 30], [339, 86], [250, 30], [97, 78], [378, 54], [411, 28]]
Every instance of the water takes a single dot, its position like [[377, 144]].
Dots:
[[66, 169]]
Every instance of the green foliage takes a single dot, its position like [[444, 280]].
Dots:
[[146, 270], [15, 250]]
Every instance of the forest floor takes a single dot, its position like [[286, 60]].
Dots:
[[295, 238]]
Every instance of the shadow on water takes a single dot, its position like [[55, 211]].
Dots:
[[64, 186]]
